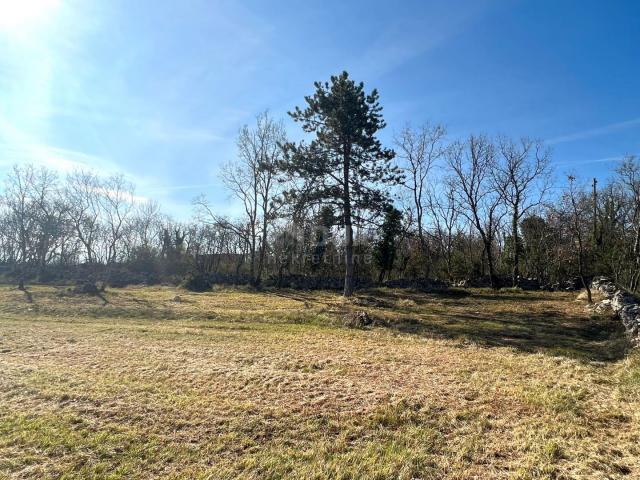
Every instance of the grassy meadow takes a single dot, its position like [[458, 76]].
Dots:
[[156, 382]]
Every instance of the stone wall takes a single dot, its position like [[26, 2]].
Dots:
[[622, 303]]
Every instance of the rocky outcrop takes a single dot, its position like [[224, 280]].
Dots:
[[622, 303]]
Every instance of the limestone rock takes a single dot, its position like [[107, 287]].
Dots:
[[621, 303]]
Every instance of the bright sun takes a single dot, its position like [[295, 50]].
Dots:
[[19, 14]]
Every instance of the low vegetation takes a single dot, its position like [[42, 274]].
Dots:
[[231, 383]]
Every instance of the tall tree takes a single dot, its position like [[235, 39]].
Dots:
[[444, 217], [345, 165], [577, 206], [82, 192], [629, 176], [472, 163], [252, 180], [384, 251], [35, 216], [537, 240], [117, 203], [521, 177], [420, 149]]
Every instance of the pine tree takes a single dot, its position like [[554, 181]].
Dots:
[[384, 252], [345, 165]]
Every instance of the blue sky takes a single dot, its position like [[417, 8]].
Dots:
[[158, 89]]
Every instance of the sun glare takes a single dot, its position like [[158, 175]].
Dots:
[[22, 14]]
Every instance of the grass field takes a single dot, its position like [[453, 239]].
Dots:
[[237, 384]]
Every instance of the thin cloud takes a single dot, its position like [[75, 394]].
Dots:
[[64, 161], [594, 132], [115, 193], [59, 159], [577, 163]]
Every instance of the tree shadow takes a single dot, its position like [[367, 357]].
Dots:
[[420, 297], [597, 338], [498, 296], [27, 295], [483, 318], [101, 296]]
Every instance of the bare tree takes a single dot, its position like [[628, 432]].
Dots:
[[420, 149], [50, 210], [471, 164], [577, 206], [20, 217], [146, 224], [521, 177], [116, 201], [82, 192], [253, 181], [7, 250], [629, 176], [444, 217], [35, 217]]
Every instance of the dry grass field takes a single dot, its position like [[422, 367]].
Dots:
[[238, 384]]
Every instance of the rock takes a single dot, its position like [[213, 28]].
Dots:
[[603, 306], [621, 303], [358, 319], [177, 299]]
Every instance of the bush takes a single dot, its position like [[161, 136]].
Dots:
[[87, 288], [196, 282]]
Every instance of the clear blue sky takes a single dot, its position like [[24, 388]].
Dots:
[[158, 89]]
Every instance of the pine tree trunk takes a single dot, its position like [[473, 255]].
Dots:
[[348, 253], [348, 229]]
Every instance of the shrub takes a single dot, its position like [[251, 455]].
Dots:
[[87, 288], [196, 282]]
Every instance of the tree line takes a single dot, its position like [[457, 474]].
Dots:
[[338, 209]]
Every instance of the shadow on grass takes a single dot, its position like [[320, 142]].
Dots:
[[27, 295], [499, 296], [539, 330], [492, 319], [597, 338], [551, 331], [378, 298]]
